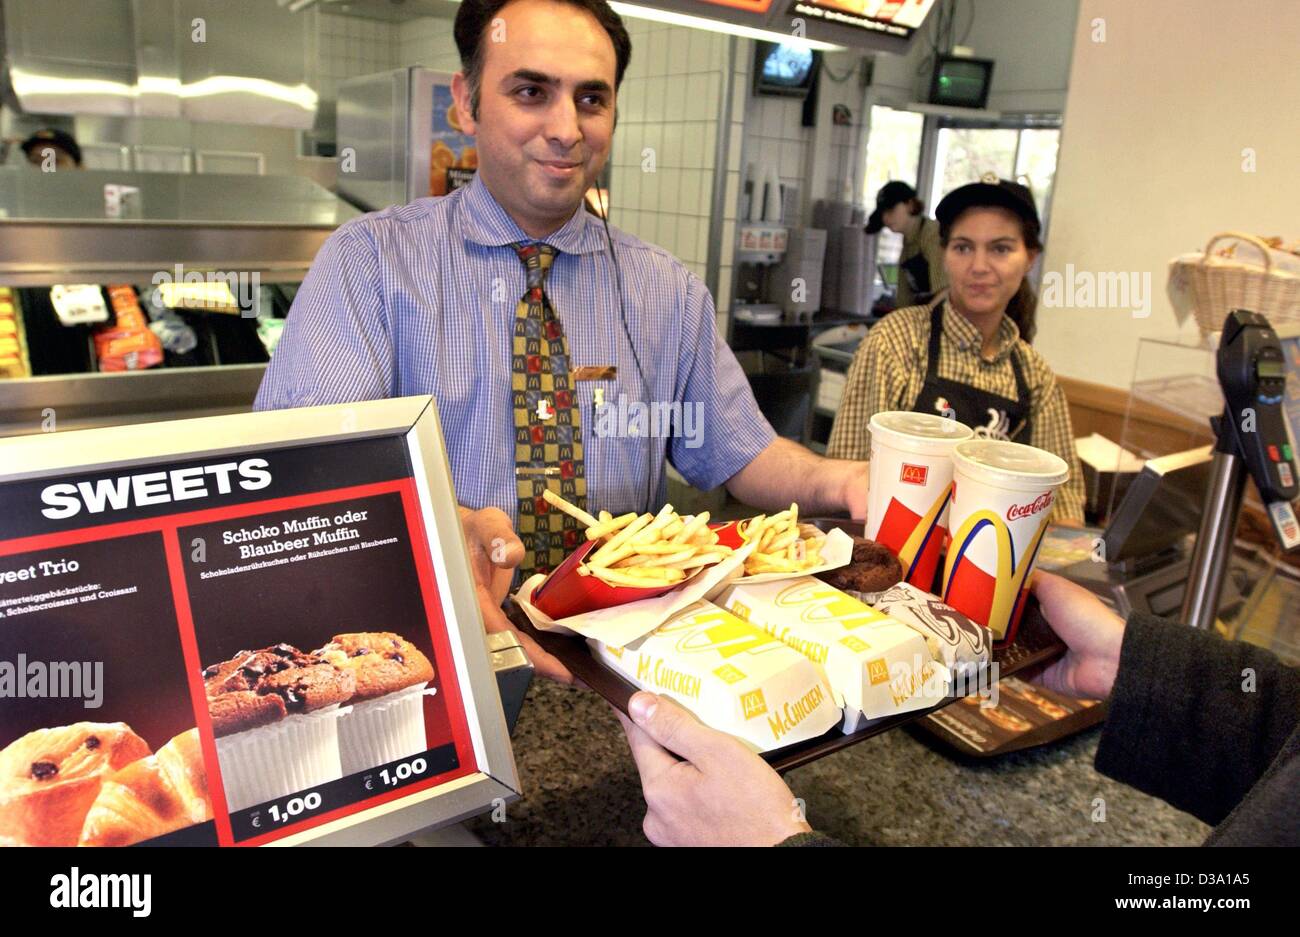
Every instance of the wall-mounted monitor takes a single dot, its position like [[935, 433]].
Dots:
[[783, 69], [961, 82]]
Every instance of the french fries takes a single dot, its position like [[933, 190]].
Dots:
[[572, 510], [647, 550], [783, 545]]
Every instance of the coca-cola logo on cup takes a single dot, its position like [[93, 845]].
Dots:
[[913, 474], [1041, 503]]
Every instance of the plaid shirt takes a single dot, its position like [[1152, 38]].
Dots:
[[889, 369], [421, 299]]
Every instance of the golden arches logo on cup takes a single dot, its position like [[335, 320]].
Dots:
[[914, 474], [909, 487], [990, 597], [1003, 494], [920, 551]]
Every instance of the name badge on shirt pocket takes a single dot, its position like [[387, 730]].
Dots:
[[595, 373]]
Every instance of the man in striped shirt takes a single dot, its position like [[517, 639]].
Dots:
[[423, 298]]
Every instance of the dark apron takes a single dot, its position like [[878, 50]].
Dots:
[[986, 413], [917, 270]]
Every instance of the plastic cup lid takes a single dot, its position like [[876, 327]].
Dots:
[[924, 433], [1010, 464]]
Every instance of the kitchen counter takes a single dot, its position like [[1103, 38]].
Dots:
[[581, 788]]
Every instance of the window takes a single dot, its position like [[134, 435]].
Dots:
[[893, 152], [1036, 165], [963, 154], [893, 149]]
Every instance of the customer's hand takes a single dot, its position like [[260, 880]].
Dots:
[[1092, 632], [494, 553], [721, 794]]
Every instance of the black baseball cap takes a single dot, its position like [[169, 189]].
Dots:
[[890, 194], [52, 137], [1003, 193]]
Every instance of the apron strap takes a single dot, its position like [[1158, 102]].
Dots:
[[1022, 385], [932, 360], [936, 333]]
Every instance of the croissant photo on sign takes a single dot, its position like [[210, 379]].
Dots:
[[98, 784]]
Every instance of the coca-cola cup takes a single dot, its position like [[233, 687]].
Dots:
[[1002, 498], [909, 487]]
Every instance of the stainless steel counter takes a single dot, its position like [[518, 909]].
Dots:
[[84, 401]]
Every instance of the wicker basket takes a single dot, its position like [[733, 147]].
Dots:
[[1220, 285]]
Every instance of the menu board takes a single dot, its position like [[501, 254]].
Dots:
[[895, 17], [223, 650], [750, 6]]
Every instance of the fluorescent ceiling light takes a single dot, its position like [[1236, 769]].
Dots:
[[299, 95], [717, 26], [26, 83]]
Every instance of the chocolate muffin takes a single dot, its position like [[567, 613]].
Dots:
[[381, 661], [257, 688], [873, 569]]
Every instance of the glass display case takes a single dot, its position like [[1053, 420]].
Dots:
[[122, 235]]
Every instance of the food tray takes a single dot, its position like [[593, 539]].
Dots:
[[1035, 645]]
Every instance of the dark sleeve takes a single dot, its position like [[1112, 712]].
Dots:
[[1194, 719], [810, 839]]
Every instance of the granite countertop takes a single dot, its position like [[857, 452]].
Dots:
[[581, 788]]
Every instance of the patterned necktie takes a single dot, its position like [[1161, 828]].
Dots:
[[548, 424]]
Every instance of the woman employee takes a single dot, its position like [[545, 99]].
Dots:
[[920, 265], [967, 355]]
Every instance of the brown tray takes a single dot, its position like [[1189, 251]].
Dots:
[[1036, 644]]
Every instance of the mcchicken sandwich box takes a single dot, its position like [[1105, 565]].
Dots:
[[877, 666], [731, 675]]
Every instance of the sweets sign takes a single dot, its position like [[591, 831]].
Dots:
[[271, 646], [67, 500]]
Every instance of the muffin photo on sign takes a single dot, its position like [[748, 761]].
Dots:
[[308, 687], [274, 715], [386, 719]]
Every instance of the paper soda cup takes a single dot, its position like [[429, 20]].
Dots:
[[1002, 498], [909, 487]]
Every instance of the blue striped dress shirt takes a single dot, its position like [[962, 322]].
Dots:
[[420, 299]]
